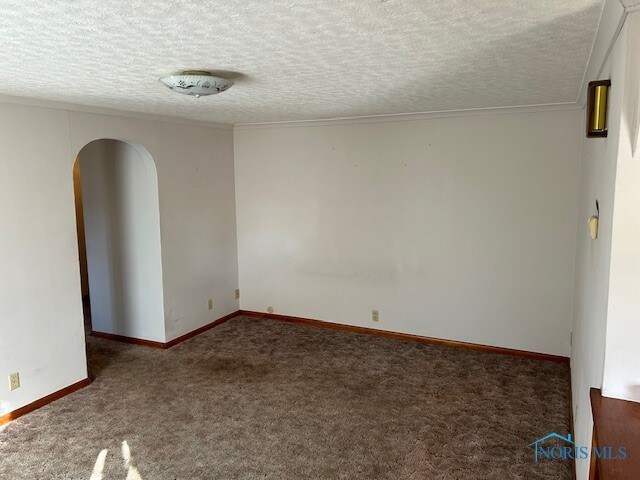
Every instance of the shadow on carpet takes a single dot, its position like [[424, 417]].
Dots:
[[263, 399]]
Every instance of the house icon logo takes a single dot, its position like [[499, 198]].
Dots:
[[562, 448], [558, 447]]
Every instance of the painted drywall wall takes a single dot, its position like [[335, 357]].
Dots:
[[41, 327], [40, 295], [621, 377], [460, 228], [122, 225], [599, 169], [197, 211]]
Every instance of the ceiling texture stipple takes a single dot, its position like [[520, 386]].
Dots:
[[298, 60]]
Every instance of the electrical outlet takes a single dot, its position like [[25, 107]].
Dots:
[[14, 381], [375, 315], [210, 304], [269, 309], [237, 293]]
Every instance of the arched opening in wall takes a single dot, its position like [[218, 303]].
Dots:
[[118, 220]]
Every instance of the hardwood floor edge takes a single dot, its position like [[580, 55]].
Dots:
[[410, 337], [200, 330], [41, 402]]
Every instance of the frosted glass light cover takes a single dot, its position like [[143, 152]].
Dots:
[[196, 84]]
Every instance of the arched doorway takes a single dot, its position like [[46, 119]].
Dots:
[[118, 215]]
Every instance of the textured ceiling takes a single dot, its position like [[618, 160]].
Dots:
[[294, 60]]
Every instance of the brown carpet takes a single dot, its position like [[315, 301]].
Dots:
[[263, 399]]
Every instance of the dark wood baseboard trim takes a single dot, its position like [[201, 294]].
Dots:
[[339, 326], [200, 330], [409, 337], [132, 340], [8, 417], [303, 321], [170, 343]]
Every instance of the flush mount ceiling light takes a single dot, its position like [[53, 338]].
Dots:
[[196, 83]]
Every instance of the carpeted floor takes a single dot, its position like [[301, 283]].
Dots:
[[261, 399]]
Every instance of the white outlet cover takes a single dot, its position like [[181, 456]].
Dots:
[[14, 381]]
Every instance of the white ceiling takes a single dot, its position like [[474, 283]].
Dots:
[[295, 60]]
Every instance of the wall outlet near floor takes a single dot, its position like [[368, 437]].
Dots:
[[375, 315], [210, 304], [14, 381], [269, 309], [237, 293]]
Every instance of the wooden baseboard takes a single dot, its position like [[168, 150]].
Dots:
[[339, 326], [409, 337], [169, 344], [120, 338], [125, 339], [284, 318], [200, 330], [7, 417]]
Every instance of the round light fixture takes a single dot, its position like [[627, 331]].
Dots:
[[196, 83]]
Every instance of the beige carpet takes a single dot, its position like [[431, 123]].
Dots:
[[260, 399]]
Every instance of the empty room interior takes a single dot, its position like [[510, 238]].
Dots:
[[350, 239]]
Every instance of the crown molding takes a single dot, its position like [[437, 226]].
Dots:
[[395, 117], [614, 14], [630, 5], [410, 117], [73, 107]]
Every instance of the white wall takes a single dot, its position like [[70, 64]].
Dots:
[[197, 211], [460, 228], [598, 172], [122, 227], [40, 299], [606, 328], [622, 360], [41, 328]]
